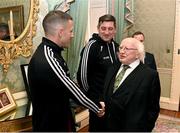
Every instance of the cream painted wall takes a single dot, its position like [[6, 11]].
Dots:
[[97, 9]]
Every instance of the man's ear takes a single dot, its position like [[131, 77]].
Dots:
[[60, 32]]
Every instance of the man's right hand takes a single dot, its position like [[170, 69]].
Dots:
[[102, 110]]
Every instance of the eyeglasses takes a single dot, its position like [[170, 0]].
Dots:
[[141, 41], [126, 49]]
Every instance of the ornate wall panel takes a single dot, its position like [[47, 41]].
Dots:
[[156, 18], [159, 20]]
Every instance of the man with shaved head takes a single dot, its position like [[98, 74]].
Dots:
[[49, 79]]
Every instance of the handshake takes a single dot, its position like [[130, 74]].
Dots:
[[101, 110]]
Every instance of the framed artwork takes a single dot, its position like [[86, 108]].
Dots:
[[24, 70], [18, 17], [7, 102], [8, 116]]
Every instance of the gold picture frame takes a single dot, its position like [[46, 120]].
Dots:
[[8, 116], [18, 17], [21, 45], [7, 102]]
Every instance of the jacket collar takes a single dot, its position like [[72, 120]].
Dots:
[[51, 44]]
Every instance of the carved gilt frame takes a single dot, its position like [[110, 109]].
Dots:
[[22, 45]]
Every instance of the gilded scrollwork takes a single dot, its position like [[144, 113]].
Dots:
[[22, 45]]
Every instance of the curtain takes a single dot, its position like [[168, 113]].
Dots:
[[123, 10], [79, 12]]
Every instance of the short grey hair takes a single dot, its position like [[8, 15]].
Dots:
[[141, 50], [138, 45]]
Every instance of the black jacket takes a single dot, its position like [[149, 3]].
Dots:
[[51, 89], [150, 60], [96, 57], [134, 107]]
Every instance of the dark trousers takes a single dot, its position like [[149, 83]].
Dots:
[[96, 124]]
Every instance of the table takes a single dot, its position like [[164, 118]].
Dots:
[[16, 121]]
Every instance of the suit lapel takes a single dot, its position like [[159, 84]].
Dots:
[[132, 78], [131, 83], [109, 82]]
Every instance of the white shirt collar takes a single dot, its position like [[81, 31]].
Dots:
[[134, 64]]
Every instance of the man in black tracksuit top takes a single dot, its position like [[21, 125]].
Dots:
[[96, 57], [49, 80]]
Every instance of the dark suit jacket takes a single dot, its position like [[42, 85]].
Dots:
[[150, 60], [135, 105]]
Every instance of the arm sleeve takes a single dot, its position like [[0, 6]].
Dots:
[[87, 64], [154, 63], [154, 107], [71, 86]]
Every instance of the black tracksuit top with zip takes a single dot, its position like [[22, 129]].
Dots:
[[96, 57], [51, 89]]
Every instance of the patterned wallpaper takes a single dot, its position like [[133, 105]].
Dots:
[[13, 78], [156, 18]]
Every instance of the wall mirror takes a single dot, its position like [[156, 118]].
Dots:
[[20, 45]]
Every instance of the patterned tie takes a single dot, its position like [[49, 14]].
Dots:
[[119, 77]]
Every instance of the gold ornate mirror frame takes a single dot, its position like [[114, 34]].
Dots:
[[22, 45]]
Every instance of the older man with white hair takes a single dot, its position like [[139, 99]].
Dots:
[[132, 103]]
